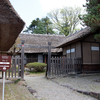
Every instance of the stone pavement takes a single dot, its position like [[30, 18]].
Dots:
[[56, 89]]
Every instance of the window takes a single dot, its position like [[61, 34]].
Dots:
[[68, 51], [73, 50], [94, 48]]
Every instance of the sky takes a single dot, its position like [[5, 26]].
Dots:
[[29, 10]]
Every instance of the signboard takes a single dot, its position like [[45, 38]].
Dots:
[[5, 62]]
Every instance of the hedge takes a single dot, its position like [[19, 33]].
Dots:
[[39, 67]]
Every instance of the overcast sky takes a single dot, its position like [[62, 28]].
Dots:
[[32, 9]]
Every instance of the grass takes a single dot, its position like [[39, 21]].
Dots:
[[34, 72], [17, 81], [16, 92]]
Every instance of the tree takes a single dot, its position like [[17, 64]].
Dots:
[[32, 26], [48, 25], [40, 26], [14, 49], [34, 23], [65, 20], [92, 17]]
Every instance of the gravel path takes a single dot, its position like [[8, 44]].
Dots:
[[48, 90], [86, 83]]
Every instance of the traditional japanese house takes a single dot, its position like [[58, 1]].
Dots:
[[40, 54], [82, 44]]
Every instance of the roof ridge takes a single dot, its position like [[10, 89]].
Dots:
[[75, 36], [44, 35], [77, 32]]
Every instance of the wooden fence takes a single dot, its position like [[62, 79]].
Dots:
[[62, 66], [15, 70]]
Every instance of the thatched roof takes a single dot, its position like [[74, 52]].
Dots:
[[41, 40], [10, 25], [75, 37]]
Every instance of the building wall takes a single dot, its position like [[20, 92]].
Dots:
[[86, 52], [91, 50], [78, 49], [72, 50], [89, 38], [95, 53], [68, 51], [88, 49], [91, 54]]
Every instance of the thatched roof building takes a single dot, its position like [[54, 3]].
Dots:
[[75, 37], [10, 25], [83, 45], [41, 40]]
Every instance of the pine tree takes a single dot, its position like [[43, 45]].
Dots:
[[92, 18]]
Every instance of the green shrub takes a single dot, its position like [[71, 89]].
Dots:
[[39, 67]]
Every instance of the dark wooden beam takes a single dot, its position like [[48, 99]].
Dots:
[[82, 55], [34, 46], [22, 59], [49, 58], [91, 42]]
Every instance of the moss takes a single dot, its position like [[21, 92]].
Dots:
[[17, 81]]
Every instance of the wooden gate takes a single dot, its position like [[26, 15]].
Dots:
[[62, 66], [15, 70]]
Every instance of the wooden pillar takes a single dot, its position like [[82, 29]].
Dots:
[[81, 57], [48, 70], [45, 61], [22, 60]]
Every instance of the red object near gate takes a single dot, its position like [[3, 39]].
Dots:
[[5, 62]]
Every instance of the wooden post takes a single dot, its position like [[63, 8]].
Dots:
[[55, 66], [18, 65], [73, 65], [22, 60], [49, 58], [52, 65], [60, 67], [15, 65], [45, 59], [12, 66]]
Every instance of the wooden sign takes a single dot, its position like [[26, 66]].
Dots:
[[5, 62]]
